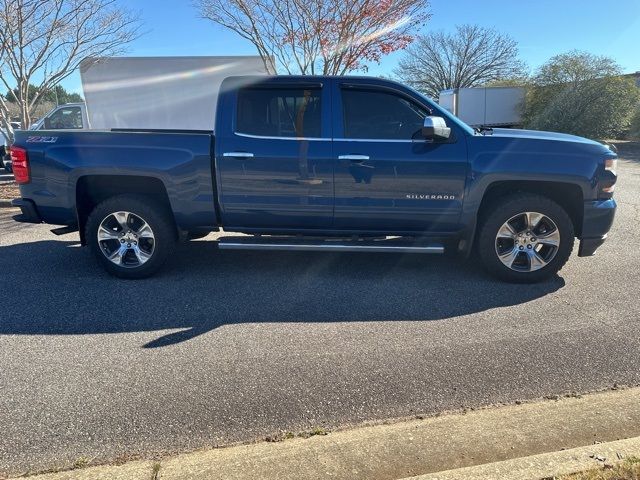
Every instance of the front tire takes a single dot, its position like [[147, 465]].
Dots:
[[525, 238], [130, 235]]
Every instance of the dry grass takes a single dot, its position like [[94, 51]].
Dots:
[[155, 471], [627, 470]]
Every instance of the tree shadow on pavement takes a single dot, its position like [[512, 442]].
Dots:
[[57, 288]]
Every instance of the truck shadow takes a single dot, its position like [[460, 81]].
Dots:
[[56, 288]]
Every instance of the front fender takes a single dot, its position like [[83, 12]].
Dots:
[[526, 161]]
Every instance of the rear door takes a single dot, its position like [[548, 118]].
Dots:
[[273, 159], [387, 176]]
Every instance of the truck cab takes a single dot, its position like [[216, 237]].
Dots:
[[342, 154]]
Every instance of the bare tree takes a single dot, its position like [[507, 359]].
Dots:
[[309, 37], [470, 57], [43, 41]]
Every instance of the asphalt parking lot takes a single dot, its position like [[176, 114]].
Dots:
[[229, 346]]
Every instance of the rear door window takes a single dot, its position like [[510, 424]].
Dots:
[[279, 112]]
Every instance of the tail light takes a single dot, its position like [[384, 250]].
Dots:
[[20, 165]]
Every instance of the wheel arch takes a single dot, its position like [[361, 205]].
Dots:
[[94, 189], [568, 195]]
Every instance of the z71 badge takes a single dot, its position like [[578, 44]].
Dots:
[[42, 139]]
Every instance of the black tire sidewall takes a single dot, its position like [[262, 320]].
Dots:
[[153, 213], [509, 207]]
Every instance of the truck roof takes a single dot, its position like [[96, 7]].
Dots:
[[316, 77], [237, 81], [70, 104]]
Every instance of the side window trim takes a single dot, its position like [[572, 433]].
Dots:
[[273, 137]]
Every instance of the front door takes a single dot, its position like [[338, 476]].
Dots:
[[387, 176], [275, 165]]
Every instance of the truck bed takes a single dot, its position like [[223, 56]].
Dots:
[[174, 163]]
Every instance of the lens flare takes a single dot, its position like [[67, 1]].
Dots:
[[371, 36], [110, 85]]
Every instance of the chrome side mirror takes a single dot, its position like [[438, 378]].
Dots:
[[435, 128]]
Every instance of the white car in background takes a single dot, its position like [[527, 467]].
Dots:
[[5, 159], [70, 116]]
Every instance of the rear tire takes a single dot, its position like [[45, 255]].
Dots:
[[131, 235], [525, 238]]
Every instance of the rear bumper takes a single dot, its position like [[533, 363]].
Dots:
[[597, 220], [29, 212]]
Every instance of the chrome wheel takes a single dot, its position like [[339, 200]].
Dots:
[[527, 241], [126, 239]]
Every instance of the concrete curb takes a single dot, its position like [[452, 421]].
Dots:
[[415, 447], [546, 465]]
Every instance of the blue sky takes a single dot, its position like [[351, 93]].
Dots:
[[543, 28]]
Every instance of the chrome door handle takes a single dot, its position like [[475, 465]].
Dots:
[[238, 154], [355, 158]]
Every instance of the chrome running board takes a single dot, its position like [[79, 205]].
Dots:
[[328, 245]]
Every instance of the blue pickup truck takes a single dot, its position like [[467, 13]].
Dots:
[[323, 163]]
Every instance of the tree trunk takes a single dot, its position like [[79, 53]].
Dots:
[[25, 115]]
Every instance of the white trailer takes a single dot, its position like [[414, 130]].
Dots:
[[485, 106], [150, 92]]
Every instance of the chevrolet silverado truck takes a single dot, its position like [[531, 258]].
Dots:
[[326, 164]]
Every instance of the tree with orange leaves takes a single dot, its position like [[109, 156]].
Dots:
[[328, 37]]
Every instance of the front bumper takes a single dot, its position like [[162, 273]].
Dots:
[[29, 212], [596, 222]]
